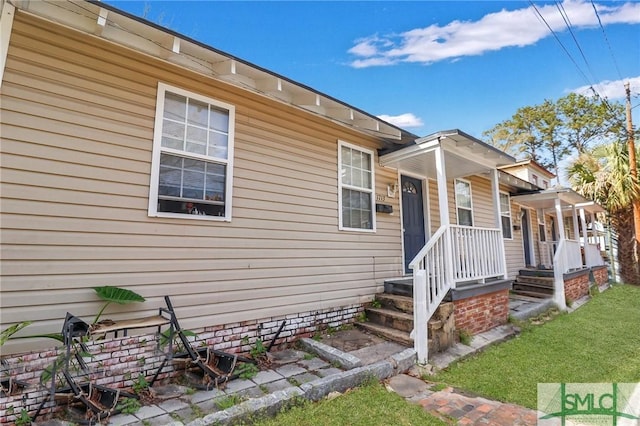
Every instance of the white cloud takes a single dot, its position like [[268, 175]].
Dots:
[[495, 31], [406, 120], [611, 89]]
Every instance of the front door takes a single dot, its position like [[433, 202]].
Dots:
[[526, 237], [412, 218]]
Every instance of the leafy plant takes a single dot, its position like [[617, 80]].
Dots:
[[228, 401], [140, 385], [8, 332], [258, 350], [118, 295], [375, 303], [247, 370], [23, 419], [128, 405], [465, 337]]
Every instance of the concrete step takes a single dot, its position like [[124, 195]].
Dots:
[[401, 337], [533, 294], [396, 302], [390, 318], [400, 287], [535, 281], [536, 272]]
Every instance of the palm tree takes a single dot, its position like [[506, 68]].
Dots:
[[602, 174]]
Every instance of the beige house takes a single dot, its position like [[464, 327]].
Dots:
[[134, 156]]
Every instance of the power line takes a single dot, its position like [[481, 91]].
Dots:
[[615, 63], [567, 22]]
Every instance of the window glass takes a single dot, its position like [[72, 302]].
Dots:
[[193, 165], [356, 186], [463, 203], [505, 213]]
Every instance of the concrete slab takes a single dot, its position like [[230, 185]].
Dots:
[[148, 411], [201, 396], [378, 352], [302, 378], [406, 386], [172, 405], [290, 370], [237, 385], [286, 356], [266, 377], [277, 386], [324, 372], [313, 364]]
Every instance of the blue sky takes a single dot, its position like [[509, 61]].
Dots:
[[428, 65]]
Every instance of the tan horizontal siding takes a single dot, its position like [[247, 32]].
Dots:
[[77, 127]]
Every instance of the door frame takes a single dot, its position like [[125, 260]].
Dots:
[[426, 211], [529, 237]]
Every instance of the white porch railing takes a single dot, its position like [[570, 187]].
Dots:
[[566, 258], [547, 251], [592, 256], [477, 253], [453, 254]]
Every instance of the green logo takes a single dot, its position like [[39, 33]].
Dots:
[[616, 404]]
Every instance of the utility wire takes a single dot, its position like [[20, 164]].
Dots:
[[615, 63], [567, 22]]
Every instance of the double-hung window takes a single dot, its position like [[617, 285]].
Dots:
[[505, 215], [464, 207], [192, 168], [356, 188]]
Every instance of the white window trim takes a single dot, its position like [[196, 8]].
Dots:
[[543, 222], [507, 215], [157, 150], [470, 201], [341, 226]]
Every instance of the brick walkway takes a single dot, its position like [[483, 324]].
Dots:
[[466, 410], [458, 408]]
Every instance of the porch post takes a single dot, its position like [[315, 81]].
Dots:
[[560, 220], [585, 237], [495, 191], [576, 230], [559, 265], [443, 205], [441, 176]]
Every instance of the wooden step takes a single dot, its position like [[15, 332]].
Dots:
[[536, 272], [390, 318], [532, 294], [535, 281], [401, 337], [396, 302], [400, 286]]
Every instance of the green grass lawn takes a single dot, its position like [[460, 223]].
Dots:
[[369, 405], [600, 342]]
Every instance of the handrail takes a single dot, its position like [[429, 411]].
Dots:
[[592, 255], [453, 254]]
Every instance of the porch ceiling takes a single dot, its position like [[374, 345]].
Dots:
[[545, 200], [463, 156]]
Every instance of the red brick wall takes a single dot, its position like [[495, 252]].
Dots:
[[600, 274], [481, 313], [576, 287], [117, 362]]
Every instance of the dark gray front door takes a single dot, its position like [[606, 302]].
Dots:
[[526, 240], [412, 218]]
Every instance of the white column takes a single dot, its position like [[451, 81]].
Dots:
[[495, 191], [559, 266], [6, 22], [576, 231], [420, 328], [559, 219], [443, 202]]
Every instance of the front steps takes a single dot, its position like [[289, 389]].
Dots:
[[391, 317], [537, 283]]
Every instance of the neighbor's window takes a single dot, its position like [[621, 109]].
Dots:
[[463, 202], [356, 187], [192, 156], [505, 215]]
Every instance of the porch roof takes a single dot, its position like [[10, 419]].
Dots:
[[106, 21], [464, 155], [568, 197]]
